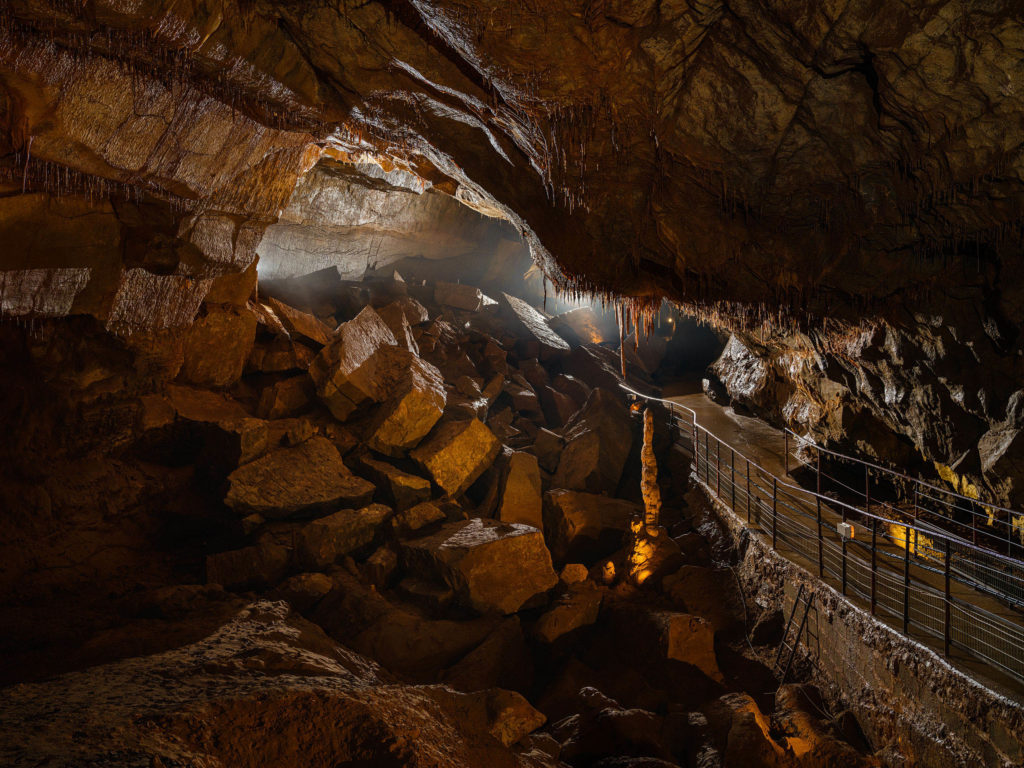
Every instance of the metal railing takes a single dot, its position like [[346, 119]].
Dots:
[[905, 569], [988, 525]]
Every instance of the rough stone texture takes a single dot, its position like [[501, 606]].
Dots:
[[298, 480], [324, 541], [547, 447], [261, 565], [465, 297], [457, 453], [410, 520], [300, 323], [532, 325], [217, 345], [395, 317], [401, 489], [415, 400], [521, 492], [341, 381], [285, 398], [262, 686], [597, 443], [581, 326], [585, 524], [577, 608], [493, 567]]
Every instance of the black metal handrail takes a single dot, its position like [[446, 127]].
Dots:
[[889, 570]]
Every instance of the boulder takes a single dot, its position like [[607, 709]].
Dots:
[[456, 453], [534, 373], [524, 399], [415, 401], [711, 593], [503, 660], [585, 526], [325, 541], [217, 345], [299, 323], [577, 608], [520, 496], [279, 355], [493, 567], [531, 326], [286, 397], [742, 732], [605, 728], [401, 489], [338, 372], [260, 565], [429, 596], [395, 317], [573, 387], [301, 479], [581, 326], [690, 639], [303, 590], [573, 573], [558, 408], [465, 297], [231, 443], [414, 518], [598, 440], [598, 366], [379, 567], [547, 447], [648, 354]]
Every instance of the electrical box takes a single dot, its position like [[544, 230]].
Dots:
[[845, 530]]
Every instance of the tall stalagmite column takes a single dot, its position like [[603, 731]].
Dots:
[[649, 477]]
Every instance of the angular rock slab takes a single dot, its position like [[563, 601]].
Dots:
[[532, 325], [217, 346], [585, 524], [401, 489], [457, 453], [493, 567], [324, 541], [521, 492], [292, 481], [395, 318], [335, 370], [301, 323], [459, 296], [415, 403], [597, 443]]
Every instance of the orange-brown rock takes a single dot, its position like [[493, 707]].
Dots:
[[286, 397], [328, 539], [457, 453], [401, 489], [465, 297], [338, 372], [532, 326], [408, 521], [303, 479], [585, 525], [597, 443], [415, 400], [217, 345], [493, 567], [299, 323], [520, 493], [575, 609], [396, 318], [260, 565]]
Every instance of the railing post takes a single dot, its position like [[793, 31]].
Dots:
[[867, 490], [947, 635], [906, 581], [748, 491], [819, 471], [821, 556], [718, 468], [915, 502], [786, 433], [775, 512], [732, 478], [874, 565], [843, 577]]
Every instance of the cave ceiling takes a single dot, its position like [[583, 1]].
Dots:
[[816, 156]]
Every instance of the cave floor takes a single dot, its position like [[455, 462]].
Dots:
[[766, 446]]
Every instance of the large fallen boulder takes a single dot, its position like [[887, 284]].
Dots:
[[415, 401], [457, 453], [217, 345], [324, 541], [303, 479], [520, 494], [337, 370], [258, 566], [585, 526], [300, 323], [459, 296], [395, 317], [401, 489], [576, 609], [532, 328], [598, 440], [286, 397], [493, 567]]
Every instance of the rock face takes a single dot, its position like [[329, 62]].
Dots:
[[294, 481], [324, 541], [493, 567], [262, 684], [457, 453], [597, 444], [585, 524], [533, 326], [341, 380], [521, 492], [415, 402]]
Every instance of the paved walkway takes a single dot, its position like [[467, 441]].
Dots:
[[766, 446]]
